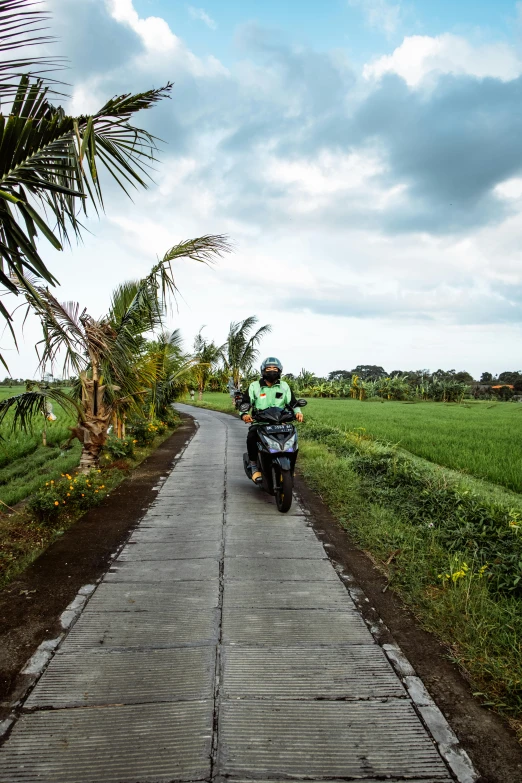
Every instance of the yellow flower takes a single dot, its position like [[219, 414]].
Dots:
[[83, 495], [46, 483], [52, 482], [56, 503], [68, 494], [102, 486], [95, 491], [71, 487]]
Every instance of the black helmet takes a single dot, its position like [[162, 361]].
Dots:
[[271, 361]]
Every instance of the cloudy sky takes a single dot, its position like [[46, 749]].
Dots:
[[364, 156]]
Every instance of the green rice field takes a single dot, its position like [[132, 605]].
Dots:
[[24, 462], [481, 439]]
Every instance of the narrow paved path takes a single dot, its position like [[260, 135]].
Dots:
[[220, 644]]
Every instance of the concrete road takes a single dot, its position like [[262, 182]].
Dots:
[[220, 644]]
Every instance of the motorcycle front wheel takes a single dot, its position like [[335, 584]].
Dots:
[[283, 488]]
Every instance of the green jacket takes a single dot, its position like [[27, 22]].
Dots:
[[261, 396]]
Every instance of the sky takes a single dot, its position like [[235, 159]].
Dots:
[[363, 156]]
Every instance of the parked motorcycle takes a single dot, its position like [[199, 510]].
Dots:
[[238, 396], [277, 452]]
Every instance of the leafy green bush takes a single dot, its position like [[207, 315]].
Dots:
[[482, 528], [119, 448], [77, 492], [143, 432], [171, 418]]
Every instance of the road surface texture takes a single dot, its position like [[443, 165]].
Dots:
[[221, 644]]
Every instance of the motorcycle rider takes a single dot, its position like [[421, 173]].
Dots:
[[268, 392]]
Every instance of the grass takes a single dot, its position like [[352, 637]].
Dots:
[[480, 439], [24, 461], [421, 521]]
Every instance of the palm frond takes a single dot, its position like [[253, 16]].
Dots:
[[28, 405], [203, 249], [22, 24]]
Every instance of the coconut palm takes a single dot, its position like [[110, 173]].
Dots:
[[107, 353], [171, 368], [241, 348], [206, 356], [50, 161]]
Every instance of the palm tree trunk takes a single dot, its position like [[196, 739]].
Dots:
[[92, 430]]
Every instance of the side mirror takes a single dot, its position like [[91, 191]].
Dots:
[[244, 407], [301, 404]]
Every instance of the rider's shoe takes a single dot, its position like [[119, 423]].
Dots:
[[255, 473]]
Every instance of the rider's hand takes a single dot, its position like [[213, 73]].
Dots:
[[247, 418], [299, 417]]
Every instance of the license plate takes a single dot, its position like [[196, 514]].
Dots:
[[279, 428]]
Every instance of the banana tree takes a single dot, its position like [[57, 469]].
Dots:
[[49, 161], [107, 353]]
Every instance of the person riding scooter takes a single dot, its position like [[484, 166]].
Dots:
[[268, 392]]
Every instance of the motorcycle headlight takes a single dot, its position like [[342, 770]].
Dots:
[[292, 442], [272, 443]]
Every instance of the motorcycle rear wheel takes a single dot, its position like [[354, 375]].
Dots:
[[284, 491]]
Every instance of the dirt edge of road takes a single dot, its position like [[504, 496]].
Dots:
[[31, 605], [491, 744]]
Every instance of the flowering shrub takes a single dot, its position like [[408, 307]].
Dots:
[[144, 431], [120, 447], [458, 570], [80, 491], [170, 418]]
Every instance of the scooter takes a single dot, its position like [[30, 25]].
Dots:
[[277, 452], [238, 396]]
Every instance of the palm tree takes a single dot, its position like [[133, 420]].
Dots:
[[171, 368], [49, 161], [206, 355], [241, 350], [107, 354]]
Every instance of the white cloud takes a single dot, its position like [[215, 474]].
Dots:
[[202, 16], [380, 14], [510, 189], [421, 56], [154, 31], [161, 44]]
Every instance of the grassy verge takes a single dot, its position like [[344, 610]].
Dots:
[[23, 538], [450, 546]]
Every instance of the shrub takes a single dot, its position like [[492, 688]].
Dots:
[[120, 447], [143, 432], [76, 492], [171, 418]]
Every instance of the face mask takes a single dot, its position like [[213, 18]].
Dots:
[[272, 375]]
